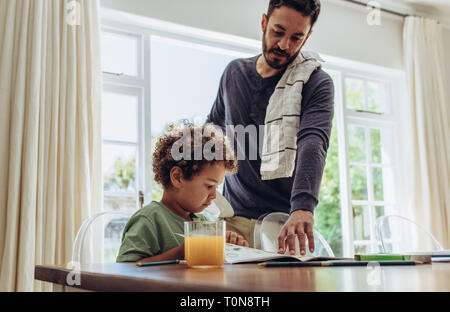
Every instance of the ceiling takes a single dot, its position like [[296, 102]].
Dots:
[[439, 9], [433, 5]]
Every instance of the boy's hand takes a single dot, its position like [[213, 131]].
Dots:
[[234, 238], [180, 251], [171, 254]]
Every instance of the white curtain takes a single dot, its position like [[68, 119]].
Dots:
[[430, 124], [50, 132]]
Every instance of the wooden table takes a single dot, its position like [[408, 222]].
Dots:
[[249, 278]]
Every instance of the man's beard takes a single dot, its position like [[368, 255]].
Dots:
[[278, 52]]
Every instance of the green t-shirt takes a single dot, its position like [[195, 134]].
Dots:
[[152, 231]]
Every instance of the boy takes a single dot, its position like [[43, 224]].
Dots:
[[189, 187]]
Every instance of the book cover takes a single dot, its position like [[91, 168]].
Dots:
[[383, 257]]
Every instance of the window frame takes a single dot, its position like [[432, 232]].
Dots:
[[391, 119], [140, 51], [144, 28], [133, 91], [130, 85]]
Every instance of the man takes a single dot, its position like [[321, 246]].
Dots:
[[243, 97]]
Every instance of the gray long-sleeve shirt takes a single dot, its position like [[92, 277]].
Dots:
[[242, 100]]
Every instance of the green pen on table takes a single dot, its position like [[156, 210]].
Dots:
[[336, 263], [151, 263]]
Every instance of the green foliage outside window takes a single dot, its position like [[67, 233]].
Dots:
[[122, 176], [327, 215]]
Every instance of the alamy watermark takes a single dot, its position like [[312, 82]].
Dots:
[[73, 13], [373, 277], [374, 16], [238, 136], [74, 276]]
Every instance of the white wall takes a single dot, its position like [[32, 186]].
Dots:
[[341, 30], [237, 17]]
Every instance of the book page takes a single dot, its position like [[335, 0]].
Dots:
[[241, 254]]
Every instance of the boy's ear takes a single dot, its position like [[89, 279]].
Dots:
[[176, 176]]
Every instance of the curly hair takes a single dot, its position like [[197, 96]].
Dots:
[[171, 145]]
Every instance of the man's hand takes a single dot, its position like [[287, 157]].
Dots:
[[300, 224], [234, 238]]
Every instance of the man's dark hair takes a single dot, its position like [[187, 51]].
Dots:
[[305, 7]]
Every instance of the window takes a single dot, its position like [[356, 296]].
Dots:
[[358, 184], [183, 87], [121, 53], [369, 133], [154, 76], [122, 124], [149, 81], [122, 106]]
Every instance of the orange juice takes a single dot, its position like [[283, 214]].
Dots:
[[205, 251]]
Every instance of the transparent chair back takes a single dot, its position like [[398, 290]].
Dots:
[[267, 229], [397, 234], [99, 237], [219, 208]]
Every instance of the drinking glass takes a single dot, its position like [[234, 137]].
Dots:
[[204, 243]]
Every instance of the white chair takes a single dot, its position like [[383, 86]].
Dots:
[[219, 208], [397, 234], [103, 229], [268, 227]]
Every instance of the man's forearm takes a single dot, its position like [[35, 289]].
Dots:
[[303, 201], [311, 155]]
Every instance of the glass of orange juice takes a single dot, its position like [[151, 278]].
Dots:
[[204, 243]]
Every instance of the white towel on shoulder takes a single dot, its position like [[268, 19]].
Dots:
[[282, 121]]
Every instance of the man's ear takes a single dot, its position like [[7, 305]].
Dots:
[[307, 37], [264, 22], [176, 177]]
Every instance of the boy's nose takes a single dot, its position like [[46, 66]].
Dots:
[[213, 195]]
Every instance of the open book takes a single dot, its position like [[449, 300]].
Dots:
[[239, 254]]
